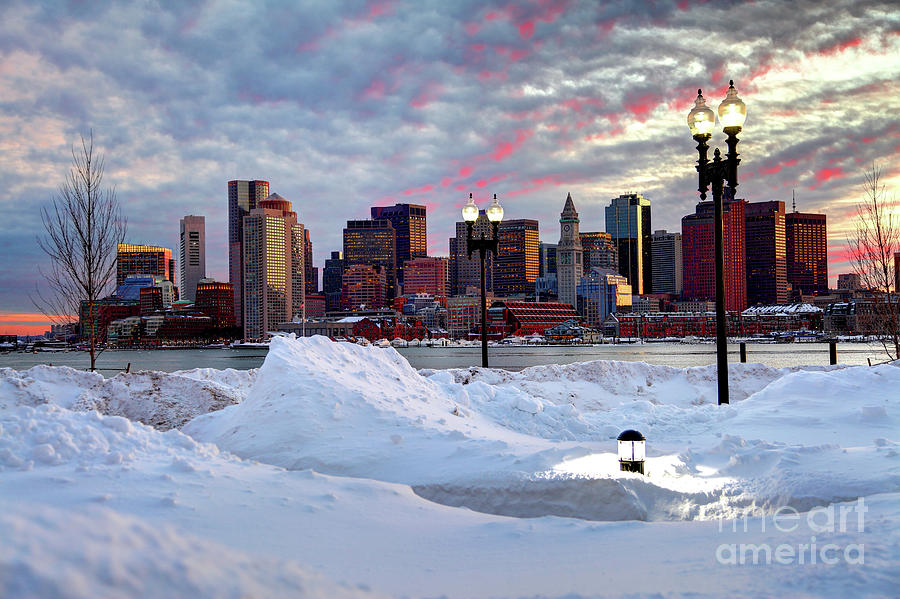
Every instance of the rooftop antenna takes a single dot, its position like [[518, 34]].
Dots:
[[794, 200]]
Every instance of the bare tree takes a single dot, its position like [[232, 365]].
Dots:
[[83, 226], [872, 249]]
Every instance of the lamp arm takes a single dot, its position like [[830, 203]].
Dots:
[[702, 161]]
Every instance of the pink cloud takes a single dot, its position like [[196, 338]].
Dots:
[[605, 27], [446, 181], [842, 46], [826, 174], [472, 28], [378, 8], [465, 171], [375, 90], [526, 29], [505, 149], [428, 94], [641, 107]]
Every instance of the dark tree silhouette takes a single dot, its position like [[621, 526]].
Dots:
[[83, 226], [872, 253]]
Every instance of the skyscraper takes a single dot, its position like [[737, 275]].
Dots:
[[144, 260], [372, 243], [547, 259], [698, 251], [667, 262], [363, 287], [311, 273], [409, 224], [628, 221], [192, 255], [569, 254], [273, 266], [516, 265], [599, 251], [465, 272], [243, 196], [426, 275], [764, 248], [807, 252], [332, 276]]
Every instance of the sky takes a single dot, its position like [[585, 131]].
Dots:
[[346, 105]]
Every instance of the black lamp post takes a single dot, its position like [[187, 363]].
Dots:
[[701, 120], [483, 245]]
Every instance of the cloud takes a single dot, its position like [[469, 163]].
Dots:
[[345, 105]]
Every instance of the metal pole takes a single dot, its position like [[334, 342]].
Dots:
[[832, 352], [743, 353], [484, 345], [721, 335]]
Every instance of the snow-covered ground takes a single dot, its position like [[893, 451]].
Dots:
[[338, 470]]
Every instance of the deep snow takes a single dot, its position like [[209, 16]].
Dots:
[[365, 439]]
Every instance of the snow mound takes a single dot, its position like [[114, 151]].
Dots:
[[162, 400], [240, 381], [338, 408], [49, 552], [47, 435]]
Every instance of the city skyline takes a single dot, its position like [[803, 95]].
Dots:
[[370, 104]]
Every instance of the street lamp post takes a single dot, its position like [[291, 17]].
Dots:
[[714, 174], [483, 245]]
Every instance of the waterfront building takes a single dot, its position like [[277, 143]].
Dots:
[[192, 254], [273, 266], [806, 253], [243, 196], [516, 265], [667, 262], [426, 275], [628, 222], [698, 251], [410, 231], [601, 292], [372, 243], [102, 312], [464, 313], [569, 255], [332, 276], [364, 287], [765, 253], [216, 300], [526, 318], [465, 272], [132, 259]]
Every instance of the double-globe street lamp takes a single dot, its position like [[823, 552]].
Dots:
[[701, 120], [483, 245]]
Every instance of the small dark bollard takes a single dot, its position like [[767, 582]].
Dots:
[[632, 449], [832, 352], [743, 353]]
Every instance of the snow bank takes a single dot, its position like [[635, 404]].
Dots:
[[49, 552], [159, 399]]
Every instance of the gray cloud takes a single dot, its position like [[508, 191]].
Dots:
[[344, 105]]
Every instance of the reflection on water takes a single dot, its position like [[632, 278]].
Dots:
[[508, 357]]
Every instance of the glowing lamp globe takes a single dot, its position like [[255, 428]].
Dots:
[[701, 119], [632, 451], [470, 211], [732, 110], [495, 211]]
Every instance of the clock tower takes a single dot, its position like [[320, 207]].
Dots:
[[568, 255]]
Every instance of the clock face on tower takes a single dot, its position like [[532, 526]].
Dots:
[[566, 228]]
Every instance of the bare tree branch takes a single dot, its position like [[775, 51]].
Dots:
[[83, 226], [872, 248]]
